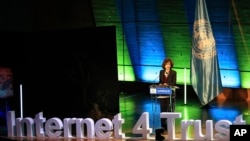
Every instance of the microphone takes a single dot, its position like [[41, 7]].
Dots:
[[156, 78]]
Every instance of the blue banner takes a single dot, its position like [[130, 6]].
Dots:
[[205, 74]]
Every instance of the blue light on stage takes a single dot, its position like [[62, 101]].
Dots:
[[224, 114], [226, 55], [143, 37], [150, 34], [150, 74], [230, 78], [150, 44]]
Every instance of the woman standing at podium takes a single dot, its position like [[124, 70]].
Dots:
[[167, 77]]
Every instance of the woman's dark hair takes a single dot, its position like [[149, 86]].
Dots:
[[165, 62]]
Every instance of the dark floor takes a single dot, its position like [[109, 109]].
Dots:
[[132, 107]]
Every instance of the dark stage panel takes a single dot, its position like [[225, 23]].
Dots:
[[64, 73]]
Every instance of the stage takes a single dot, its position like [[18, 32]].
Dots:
[[133, 105]]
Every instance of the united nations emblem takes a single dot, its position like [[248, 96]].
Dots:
[[203, 40]]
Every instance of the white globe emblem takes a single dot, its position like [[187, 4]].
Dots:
[[203, 40]]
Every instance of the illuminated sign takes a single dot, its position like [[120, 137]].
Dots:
[[105, 128]]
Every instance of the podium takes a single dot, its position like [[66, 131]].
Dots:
[[161, 94]]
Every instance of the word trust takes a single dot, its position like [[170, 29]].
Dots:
[[105, 128]]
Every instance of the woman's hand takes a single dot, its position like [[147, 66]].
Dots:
[[165, 84]]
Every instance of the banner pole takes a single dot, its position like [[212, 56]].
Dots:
[[185, 86], [21, 101]]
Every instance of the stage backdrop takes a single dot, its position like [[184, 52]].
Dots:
[[65, 73]]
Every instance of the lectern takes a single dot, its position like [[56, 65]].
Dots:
[[161, 92]]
